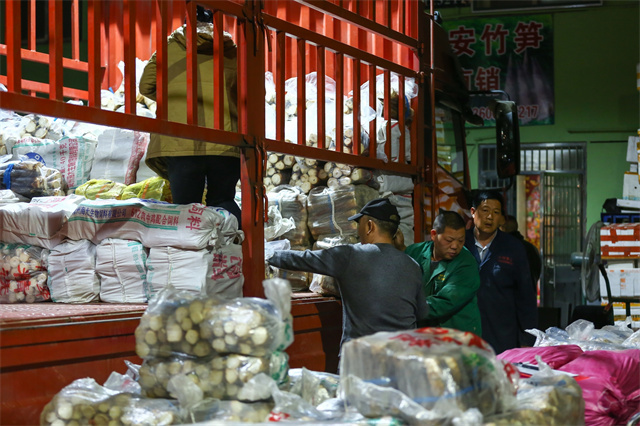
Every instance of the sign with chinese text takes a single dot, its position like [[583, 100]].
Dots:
[[509, 53]]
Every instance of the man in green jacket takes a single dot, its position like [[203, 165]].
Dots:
[[450, 275]]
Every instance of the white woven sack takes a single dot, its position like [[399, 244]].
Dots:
[[118, 155], [183, 269], [41, 222], [153, 223], [121, 266], [72, 272]]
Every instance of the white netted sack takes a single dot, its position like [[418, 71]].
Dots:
[[120, 264], [73, 157], [23, 274], [72, 272], [40, 223], [153, 223], [118, 155]]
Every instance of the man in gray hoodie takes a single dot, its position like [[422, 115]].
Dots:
[[380, 286]]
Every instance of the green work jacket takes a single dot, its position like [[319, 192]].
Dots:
[[450, 289]]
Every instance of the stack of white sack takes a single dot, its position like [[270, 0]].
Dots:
[[41, 222]]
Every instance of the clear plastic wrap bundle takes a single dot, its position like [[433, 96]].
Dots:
[[31, 178], [329, 210], [220, 377], [292, 203], [239, 412], [179, 323], [23, 277], [323, 284], [315, 387], [554, 399], [85, 402], [583, 333], [442, 370]]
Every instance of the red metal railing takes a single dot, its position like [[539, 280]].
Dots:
[[350, 41]]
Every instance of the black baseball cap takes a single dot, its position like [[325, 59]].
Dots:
[[381, 209]]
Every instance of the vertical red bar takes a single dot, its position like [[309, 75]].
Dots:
[[128, 20], [302, 92], [321, 120], [279, 79], [218, 72], [32, 25], [13, 36], [355, 141], [75, 30], [115, 48], [93, 51], [55, 50], [162, 18], [192, 65]]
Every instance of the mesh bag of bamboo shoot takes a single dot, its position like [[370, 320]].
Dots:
[[381, 141], [307, 173], [323, 284], [544, 399], [31, 178], [311, 94], [35, 125], [292, 203], [23, 274], [221, 377], [85, 402], [179, 323], [442, 370], [314, 387], [329, 210]]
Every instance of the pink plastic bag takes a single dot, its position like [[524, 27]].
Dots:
[[612, 391], [554, 356]]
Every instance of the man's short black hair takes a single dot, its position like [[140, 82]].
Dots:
[[448, 219], [487, 194], [385, 226]]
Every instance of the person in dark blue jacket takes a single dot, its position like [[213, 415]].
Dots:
[[505, 297]]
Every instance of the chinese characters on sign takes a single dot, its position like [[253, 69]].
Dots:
[[510, 53]]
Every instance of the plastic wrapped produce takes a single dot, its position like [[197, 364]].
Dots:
[[443, 370], [544, 399], [292, 203], [219, 377], [85, 402], [31, 178], [23, 276], [240, 412], [329, 210], [314, 387], [181, 323]]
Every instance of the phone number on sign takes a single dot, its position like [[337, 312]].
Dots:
[[524, 111]]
